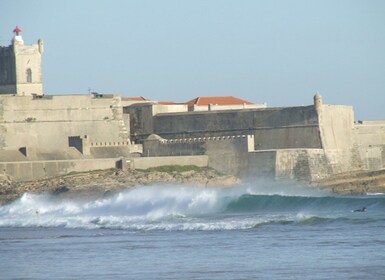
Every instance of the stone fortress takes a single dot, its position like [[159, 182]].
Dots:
[[44, 136]]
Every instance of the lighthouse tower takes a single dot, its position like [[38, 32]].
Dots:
[[20, 67]]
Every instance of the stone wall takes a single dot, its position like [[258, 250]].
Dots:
[[20, 68], [148, 162], [302, 164], [337, 136], [369, 137], [336, 126], [49, 121], [273, 128], [34, 170], [227, 154]]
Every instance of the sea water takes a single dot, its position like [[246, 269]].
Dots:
[[253, 231]]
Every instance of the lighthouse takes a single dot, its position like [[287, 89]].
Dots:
[[21, 67]]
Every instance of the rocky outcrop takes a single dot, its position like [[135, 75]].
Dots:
[[354, 183], [105, 182]]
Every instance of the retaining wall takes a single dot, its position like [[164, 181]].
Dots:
[[148, 162], [34, 170]]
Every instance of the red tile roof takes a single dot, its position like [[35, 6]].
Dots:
[[217, 100]]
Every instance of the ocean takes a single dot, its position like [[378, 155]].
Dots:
[[252, 231]]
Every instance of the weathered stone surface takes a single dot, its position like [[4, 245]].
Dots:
[[354, 183]]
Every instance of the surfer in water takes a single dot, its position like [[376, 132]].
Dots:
[[363, 209]]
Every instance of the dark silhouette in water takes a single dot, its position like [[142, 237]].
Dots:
[[363, 209]]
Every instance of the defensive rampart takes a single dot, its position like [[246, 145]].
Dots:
[[48, 121], [236, 155], [273, 128], [369, 137], [34, 170]]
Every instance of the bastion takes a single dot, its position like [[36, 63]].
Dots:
[[49, 135]]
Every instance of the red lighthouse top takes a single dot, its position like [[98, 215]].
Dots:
[[17, 30]]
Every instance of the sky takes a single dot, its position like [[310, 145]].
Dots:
[[278, 52]]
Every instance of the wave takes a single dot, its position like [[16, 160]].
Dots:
[[161, 207]]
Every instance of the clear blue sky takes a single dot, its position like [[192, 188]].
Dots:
[[279, 52]]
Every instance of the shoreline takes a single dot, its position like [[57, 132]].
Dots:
[[101, 183]]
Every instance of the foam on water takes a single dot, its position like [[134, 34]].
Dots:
[[160, 207]]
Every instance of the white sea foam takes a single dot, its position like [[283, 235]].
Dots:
[[143, 208]]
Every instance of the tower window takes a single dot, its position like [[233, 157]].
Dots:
[[29, 75]]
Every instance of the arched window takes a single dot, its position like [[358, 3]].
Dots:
[[29, 75]]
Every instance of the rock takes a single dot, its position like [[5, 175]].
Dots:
[[60, 190], [103, 183]]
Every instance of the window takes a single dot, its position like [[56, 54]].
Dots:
[[29, 75]]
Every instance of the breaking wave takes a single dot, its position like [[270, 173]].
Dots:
[[160, 207]]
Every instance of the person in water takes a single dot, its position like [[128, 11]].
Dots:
[[363, 209]]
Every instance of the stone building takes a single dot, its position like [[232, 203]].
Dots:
[[43, 135], [20, 67]]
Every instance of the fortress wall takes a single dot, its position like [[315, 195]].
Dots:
[[34, 170], [260, 164], [42, 154], [227, 154], [154, 148], [49, 121], [58, 108], [55, 134], [200, 124], [148, 162], [141, 121], [343, 160], [336, 125], [369, 137], [273, 128], [336, 130], [11, 156], [287, 138], [373, 158], [110, 151], [302, 164], [369, 134]]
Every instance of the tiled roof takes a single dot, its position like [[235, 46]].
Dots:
[[217, 100]]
